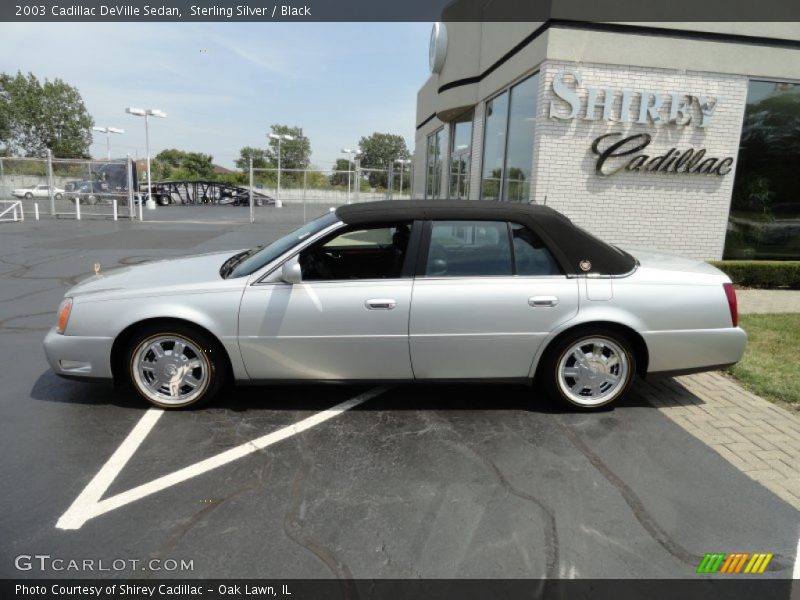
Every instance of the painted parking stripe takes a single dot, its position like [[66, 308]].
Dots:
[[88, 504], [80, 511], [796, 570]]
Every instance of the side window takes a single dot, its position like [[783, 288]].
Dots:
[[531, 257], [364, 252], [469, 248]]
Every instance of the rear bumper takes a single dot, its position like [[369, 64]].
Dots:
[[79, 357], [693, 351]]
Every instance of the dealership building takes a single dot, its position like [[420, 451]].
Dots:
[[678, 137]]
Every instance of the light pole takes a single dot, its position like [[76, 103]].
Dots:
[[147, 112], [403, 162], [349, 153], [108, 131], [280, 138]]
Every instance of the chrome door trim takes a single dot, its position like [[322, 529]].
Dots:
[[543, 301], [381, 304]]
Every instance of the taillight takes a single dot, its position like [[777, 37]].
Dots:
[[63, 314], [732, 305]]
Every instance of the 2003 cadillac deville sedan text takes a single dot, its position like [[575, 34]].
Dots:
[[401, 291]]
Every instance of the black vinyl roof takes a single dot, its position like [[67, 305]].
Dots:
[[574, 248]]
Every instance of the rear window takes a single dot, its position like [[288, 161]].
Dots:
[[469, 248]]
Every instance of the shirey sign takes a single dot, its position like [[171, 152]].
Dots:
[[616, 153]]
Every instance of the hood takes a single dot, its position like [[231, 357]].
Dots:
[[159, 276], [668, 262]]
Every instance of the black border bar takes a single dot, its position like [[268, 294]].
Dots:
[[730, 588], [392, 10]]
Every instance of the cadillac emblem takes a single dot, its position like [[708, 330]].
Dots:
[[585, 265]]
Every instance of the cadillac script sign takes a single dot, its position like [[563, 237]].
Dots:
[[632, 153]]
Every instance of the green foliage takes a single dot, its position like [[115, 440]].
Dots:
[[35, 116], [339, 178], [259, 156], [295, 154], [761, 371], [177, 164], [378, 151], [762, 273]]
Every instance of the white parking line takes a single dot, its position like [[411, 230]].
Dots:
[[88, 504], [80, 511], [796, 570]]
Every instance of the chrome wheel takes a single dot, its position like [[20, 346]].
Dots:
[[593, 371], [170, 370]]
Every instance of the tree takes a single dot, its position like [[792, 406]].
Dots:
[[177, 164], [258, 155], [37, 116], [295, 154], [379, 151], [340, 177]]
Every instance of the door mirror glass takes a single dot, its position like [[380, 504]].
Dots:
[[291, 272]]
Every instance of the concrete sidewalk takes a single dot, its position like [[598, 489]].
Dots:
[[768, 301]]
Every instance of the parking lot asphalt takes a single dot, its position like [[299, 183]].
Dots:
[[432, 481]]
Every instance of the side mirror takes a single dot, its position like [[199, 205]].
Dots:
[[291, 271]]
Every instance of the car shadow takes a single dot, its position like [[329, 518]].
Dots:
[[404, 396]]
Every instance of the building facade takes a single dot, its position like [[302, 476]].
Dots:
[[678, 137]]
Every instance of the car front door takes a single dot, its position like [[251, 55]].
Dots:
[[487, 295], [346, 320]]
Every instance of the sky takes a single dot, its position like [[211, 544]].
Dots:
[[223, 84]]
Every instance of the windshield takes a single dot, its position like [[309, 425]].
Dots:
[[250, 261]]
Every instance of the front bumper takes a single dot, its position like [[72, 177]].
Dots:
[[79, 357], [694, 350]]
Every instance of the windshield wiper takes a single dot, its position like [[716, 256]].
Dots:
[[234, 261]]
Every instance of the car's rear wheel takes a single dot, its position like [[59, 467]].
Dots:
[[91, 199], [175, 366], [58, 196], [28, 196], [588, 369]]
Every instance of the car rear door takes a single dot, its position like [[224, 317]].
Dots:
[[486, 295]]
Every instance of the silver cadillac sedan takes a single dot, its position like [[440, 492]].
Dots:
[[403, 291]]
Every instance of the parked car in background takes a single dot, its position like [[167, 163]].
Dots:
[[38, 191], [404, 291], [87, 191]]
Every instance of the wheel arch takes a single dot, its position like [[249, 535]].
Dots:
[[124, 337], [639, 346]]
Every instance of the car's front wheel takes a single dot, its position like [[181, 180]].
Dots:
[[28, 196], [175, 366], [588, 369], [58, 196]]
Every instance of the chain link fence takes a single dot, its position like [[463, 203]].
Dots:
[[85, 188], [70, 188]]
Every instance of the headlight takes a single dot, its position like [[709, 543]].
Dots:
[[63, 314]]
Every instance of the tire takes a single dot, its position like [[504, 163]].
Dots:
[[91, 199], [163, 200], [28, 196], [58, 196], [588, 369], [174, 381]]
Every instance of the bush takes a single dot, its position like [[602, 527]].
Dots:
[[769, 274]]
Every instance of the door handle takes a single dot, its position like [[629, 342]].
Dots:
[[381, 304], [537, 301]]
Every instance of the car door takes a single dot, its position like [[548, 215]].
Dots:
[[346, 320], [486, 296], [41, 191]]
